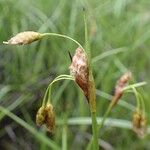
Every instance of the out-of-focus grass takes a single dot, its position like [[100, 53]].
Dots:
[[120, 40]]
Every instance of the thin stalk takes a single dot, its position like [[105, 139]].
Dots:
[[48, 90], [63, 36], [50, 86], [64, 137], [61, 77], [134, 85], [137, 98], [94, 129], [104, 118], [45, 96], [91, 89], [142, 103]]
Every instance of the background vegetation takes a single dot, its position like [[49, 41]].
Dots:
[[25, 71]]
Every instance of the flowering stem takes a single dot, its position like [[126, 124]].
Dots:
[[132, 87], [142, 103], [45, 96], [48, 90], [91, 90], [104, 118], [63, 36], [137, 98]]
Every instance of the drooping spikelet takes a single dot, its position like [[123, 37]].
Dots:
[[50, 118], [46, 116], [40, 116], [79, 69], [22, 38], [121, 83], [124, 79], [139, 123]]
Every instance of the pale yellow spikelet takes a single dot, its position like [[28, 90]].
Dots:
[[40, 116], [23, 38], [139, 123], [46, 116]]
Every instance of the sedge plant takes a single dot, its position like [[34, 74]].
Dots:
[[82, 75]]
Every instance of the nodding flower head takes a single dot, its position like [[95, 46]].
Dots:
[[50, 118], [124, 79], [121, 83], [40, 116], [139, 123], [79, 69], [22, 38], [46, 116]]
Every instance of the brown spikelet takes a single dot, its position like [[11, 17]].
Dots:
[[79, 69], [22, 38], [45, 116], [139, 123], [50, 118], [124, 79], [121, 83]]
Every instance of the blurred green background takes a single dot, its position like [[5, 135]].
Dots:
[[119, 32]]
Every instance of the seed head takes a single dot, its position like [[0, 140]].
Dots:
[[124, 79], [121, 83], [139, 123], [23, 38], [79, 69], [50, 118], [45, 116], [40, 116]]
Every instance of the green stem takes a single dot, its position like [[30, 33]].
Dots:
[[63, 36], [55, 80], [134, 85], [87, 45], [94, 129], [104, 118], [142, 103], [48, 90], [137, 98], [91, 89], [64, 137], [45, 96]]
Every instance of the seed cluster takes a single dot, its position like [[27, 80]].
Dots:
[[79, 69], [121, 83], [139, 123], [23, 38], [46, 116]]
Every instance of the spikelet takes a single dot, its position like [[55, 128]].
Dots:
[[45, 116], [50, 118], [139, 123], [40, 116], [121, 83], [23, 38], [79, 69], [124, 79]]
